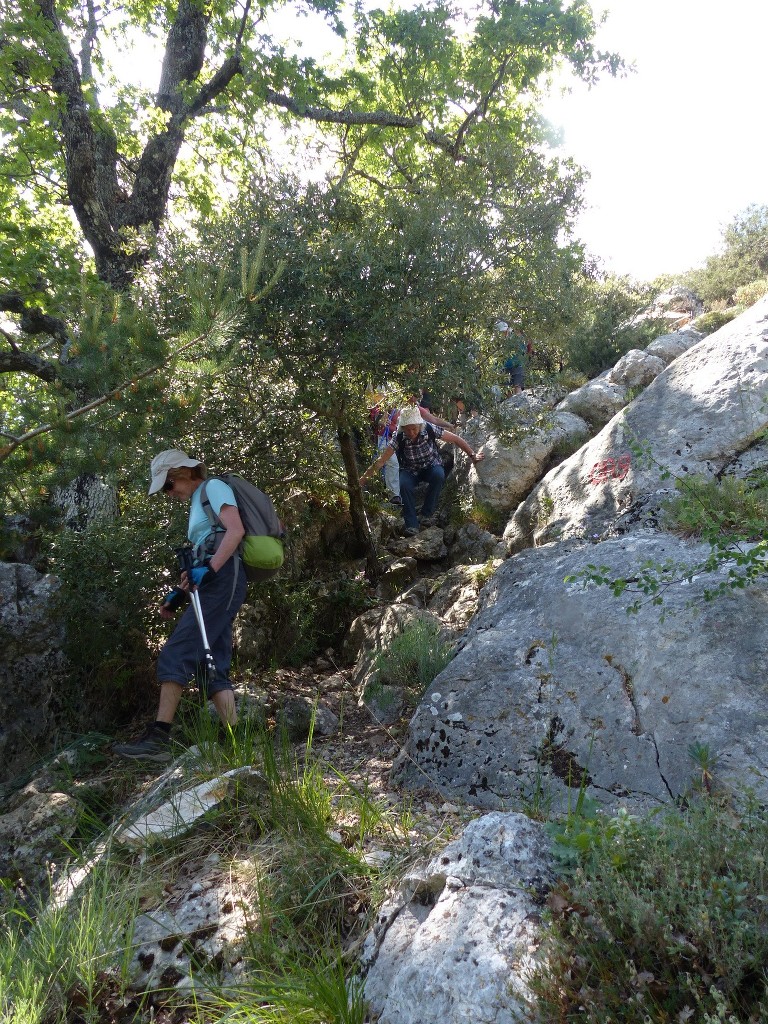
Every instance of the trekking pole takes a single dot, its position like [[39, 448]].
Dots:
[[210, 664], [184, 556]]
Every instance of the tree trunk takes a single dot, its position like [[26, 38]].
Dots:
[[84, 501], [357, 505]]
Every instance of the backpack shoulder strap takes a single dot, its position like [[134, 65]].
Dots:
[[213, 519]]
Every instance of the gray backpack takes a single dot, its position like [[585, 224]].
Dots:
[[261, 548]]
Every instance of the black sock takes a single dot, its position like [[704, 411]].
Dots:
[[165, 726]]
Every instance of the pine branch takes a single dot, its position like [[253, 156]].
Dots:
[[45, 428]]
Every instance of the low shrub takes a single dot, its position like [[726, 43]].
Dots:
[[664, 919], [710, 322], [749, 294]]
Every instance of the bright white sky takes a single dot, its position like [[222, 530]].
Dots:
[[676, 150]]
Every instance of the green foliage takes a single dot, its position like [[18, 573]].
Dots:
[[712, 321], [112, 584], [663, 919], [308, 614], [742, 261], [413, 658], [748, 294], [38, 982], [600, 325]]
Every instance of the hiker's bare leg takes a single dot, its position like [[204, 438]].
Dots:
[[224, 702], [170, 695]]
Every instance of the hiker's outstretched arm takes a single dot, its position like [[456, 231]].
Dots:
[[461, 443], [385, 456]]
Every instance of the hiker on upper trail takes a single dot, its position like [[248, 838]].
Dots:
[[220, 576], [519, 350], [415, 445]]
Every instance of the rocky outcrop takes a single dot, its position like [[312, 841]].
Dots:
[[697, 416], [636, 369], [556, 685], [35, 828], [596, 402], [470, 544], [511, 468], [33, 668], [669, 346], [457, 943]]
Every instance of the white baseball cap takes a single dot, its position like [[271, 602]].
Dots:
[[501, 325], [173, 458]]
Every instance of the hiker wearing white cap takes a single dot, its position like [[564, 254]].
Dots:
[[219, 578], [415, 445]]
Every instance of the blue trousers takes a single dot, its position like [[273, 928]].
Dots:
[[434, 476], [182, 658]]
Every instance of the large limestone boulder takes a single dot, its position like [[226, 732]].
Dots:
[[636, 369], [510, 469], [457, 943], [556, 685], [596, 402], [697, 416], [33, 667], [670, 346]]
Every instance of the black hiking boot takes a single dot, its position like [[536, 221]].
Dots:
[[154, 745]]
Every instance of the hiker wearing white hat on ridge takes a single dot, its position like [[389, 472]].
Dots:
[[221, 582], [415, 445]]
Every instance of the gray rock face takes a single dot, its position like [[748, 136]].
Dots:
[[33, 667], [457, 944], [34, 834], [427, 546], [670, 346], [471, 544], [510, 470], [397, 576], [557, 683], [705, 409], [203, 921], [636, 369], [596, 402]]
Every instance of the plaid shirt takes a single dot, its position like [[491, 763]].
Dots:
[[419, 453]]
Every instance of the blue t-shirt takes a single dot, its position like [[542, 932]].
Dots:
[[218, 493]]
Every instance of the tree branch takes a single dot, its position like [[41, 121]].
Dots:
[[34, 320], [383, 118], [17, 361], [45, 428], [215, 86]]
